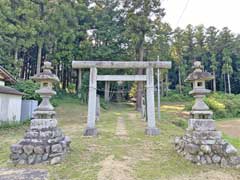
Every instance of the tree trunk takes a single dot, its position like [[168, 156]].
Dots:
[[140, 84], [179, 80], [39, 57], [16, 55], [225, 89], [229, 83], [214, 81], [166, 83]]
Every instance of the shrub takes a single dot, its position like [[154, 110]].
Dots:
[[28, 87], [174, 96], [224, 105]]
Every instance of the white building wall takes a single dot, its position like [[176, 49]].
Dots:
[[10, 106]]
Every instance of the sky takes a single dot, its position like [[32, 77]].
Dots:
[[218, 13]]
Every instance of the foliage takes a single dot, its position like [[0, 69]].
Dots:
[[28, 87], [224, 105], [174, 96]]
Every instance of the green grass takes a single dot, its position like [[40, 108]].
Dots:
[[152, 158]]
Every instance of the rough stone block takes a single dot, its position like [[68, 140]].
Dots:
[[39, 149], [56, 148], [230, 150], [16, 148], [31, 159], [234, 160], [191, 148], [206, 149], [28, 149], [216, 159], [55, 160]]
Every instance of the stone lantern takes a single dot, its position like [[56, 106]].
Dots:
[[43, 142], [202, 143], [200, 113]]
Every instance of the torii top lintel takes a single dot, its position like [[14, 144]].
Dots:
[[121, 64]]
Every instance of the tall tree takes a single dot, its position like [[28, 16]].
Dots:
[[227, 67], [143, 17]]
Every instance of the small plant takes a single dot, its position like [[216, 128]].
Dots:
[[28, 87]]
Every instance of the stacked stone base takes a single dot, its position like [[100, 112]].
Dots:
[[42, 143], [207, 147]]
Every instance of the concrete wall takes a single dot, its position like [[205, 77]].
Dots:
[[10, 107]]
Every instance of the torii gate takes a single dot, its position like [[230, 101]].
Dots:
[[149, 66]]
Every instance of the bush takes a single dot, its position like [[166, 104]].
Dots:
[[174, 96], [224, 105], [28, 87]]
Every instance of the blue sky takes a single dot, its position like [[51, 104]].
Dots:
[[219, 13]]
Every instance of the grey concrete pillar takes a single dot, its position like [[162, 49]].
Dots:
[[151, 129], [92, 96]]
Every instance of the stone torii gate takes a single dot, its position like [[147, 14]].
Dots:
[[149, 78]]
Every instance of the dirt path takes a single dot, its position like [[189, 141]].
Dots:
[[115, 170], [231, 128], [121, 129]]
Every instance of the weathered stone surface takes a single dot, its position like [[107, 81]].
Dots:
[[208, 159], [234, 160], [203, 160], [216, 159], [57, 148], [15, 156], [224, 162], [230, 150], [31, 159], [38, 158], [16, 148], [45, 157], [28, 149], [47, 149], [201, 124], [191, 148], [206, 149], [39, 149], [23, 174], [55, 160]]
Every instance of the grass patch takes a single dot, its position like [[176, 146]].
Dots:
[[149, 158]]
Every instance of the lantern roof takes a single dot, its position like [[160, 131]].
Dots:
[[46, 75], [198, 73]]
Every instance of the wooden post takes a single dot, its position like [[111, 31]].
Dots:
[[106, 92], [90, 129], [151, 129]]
